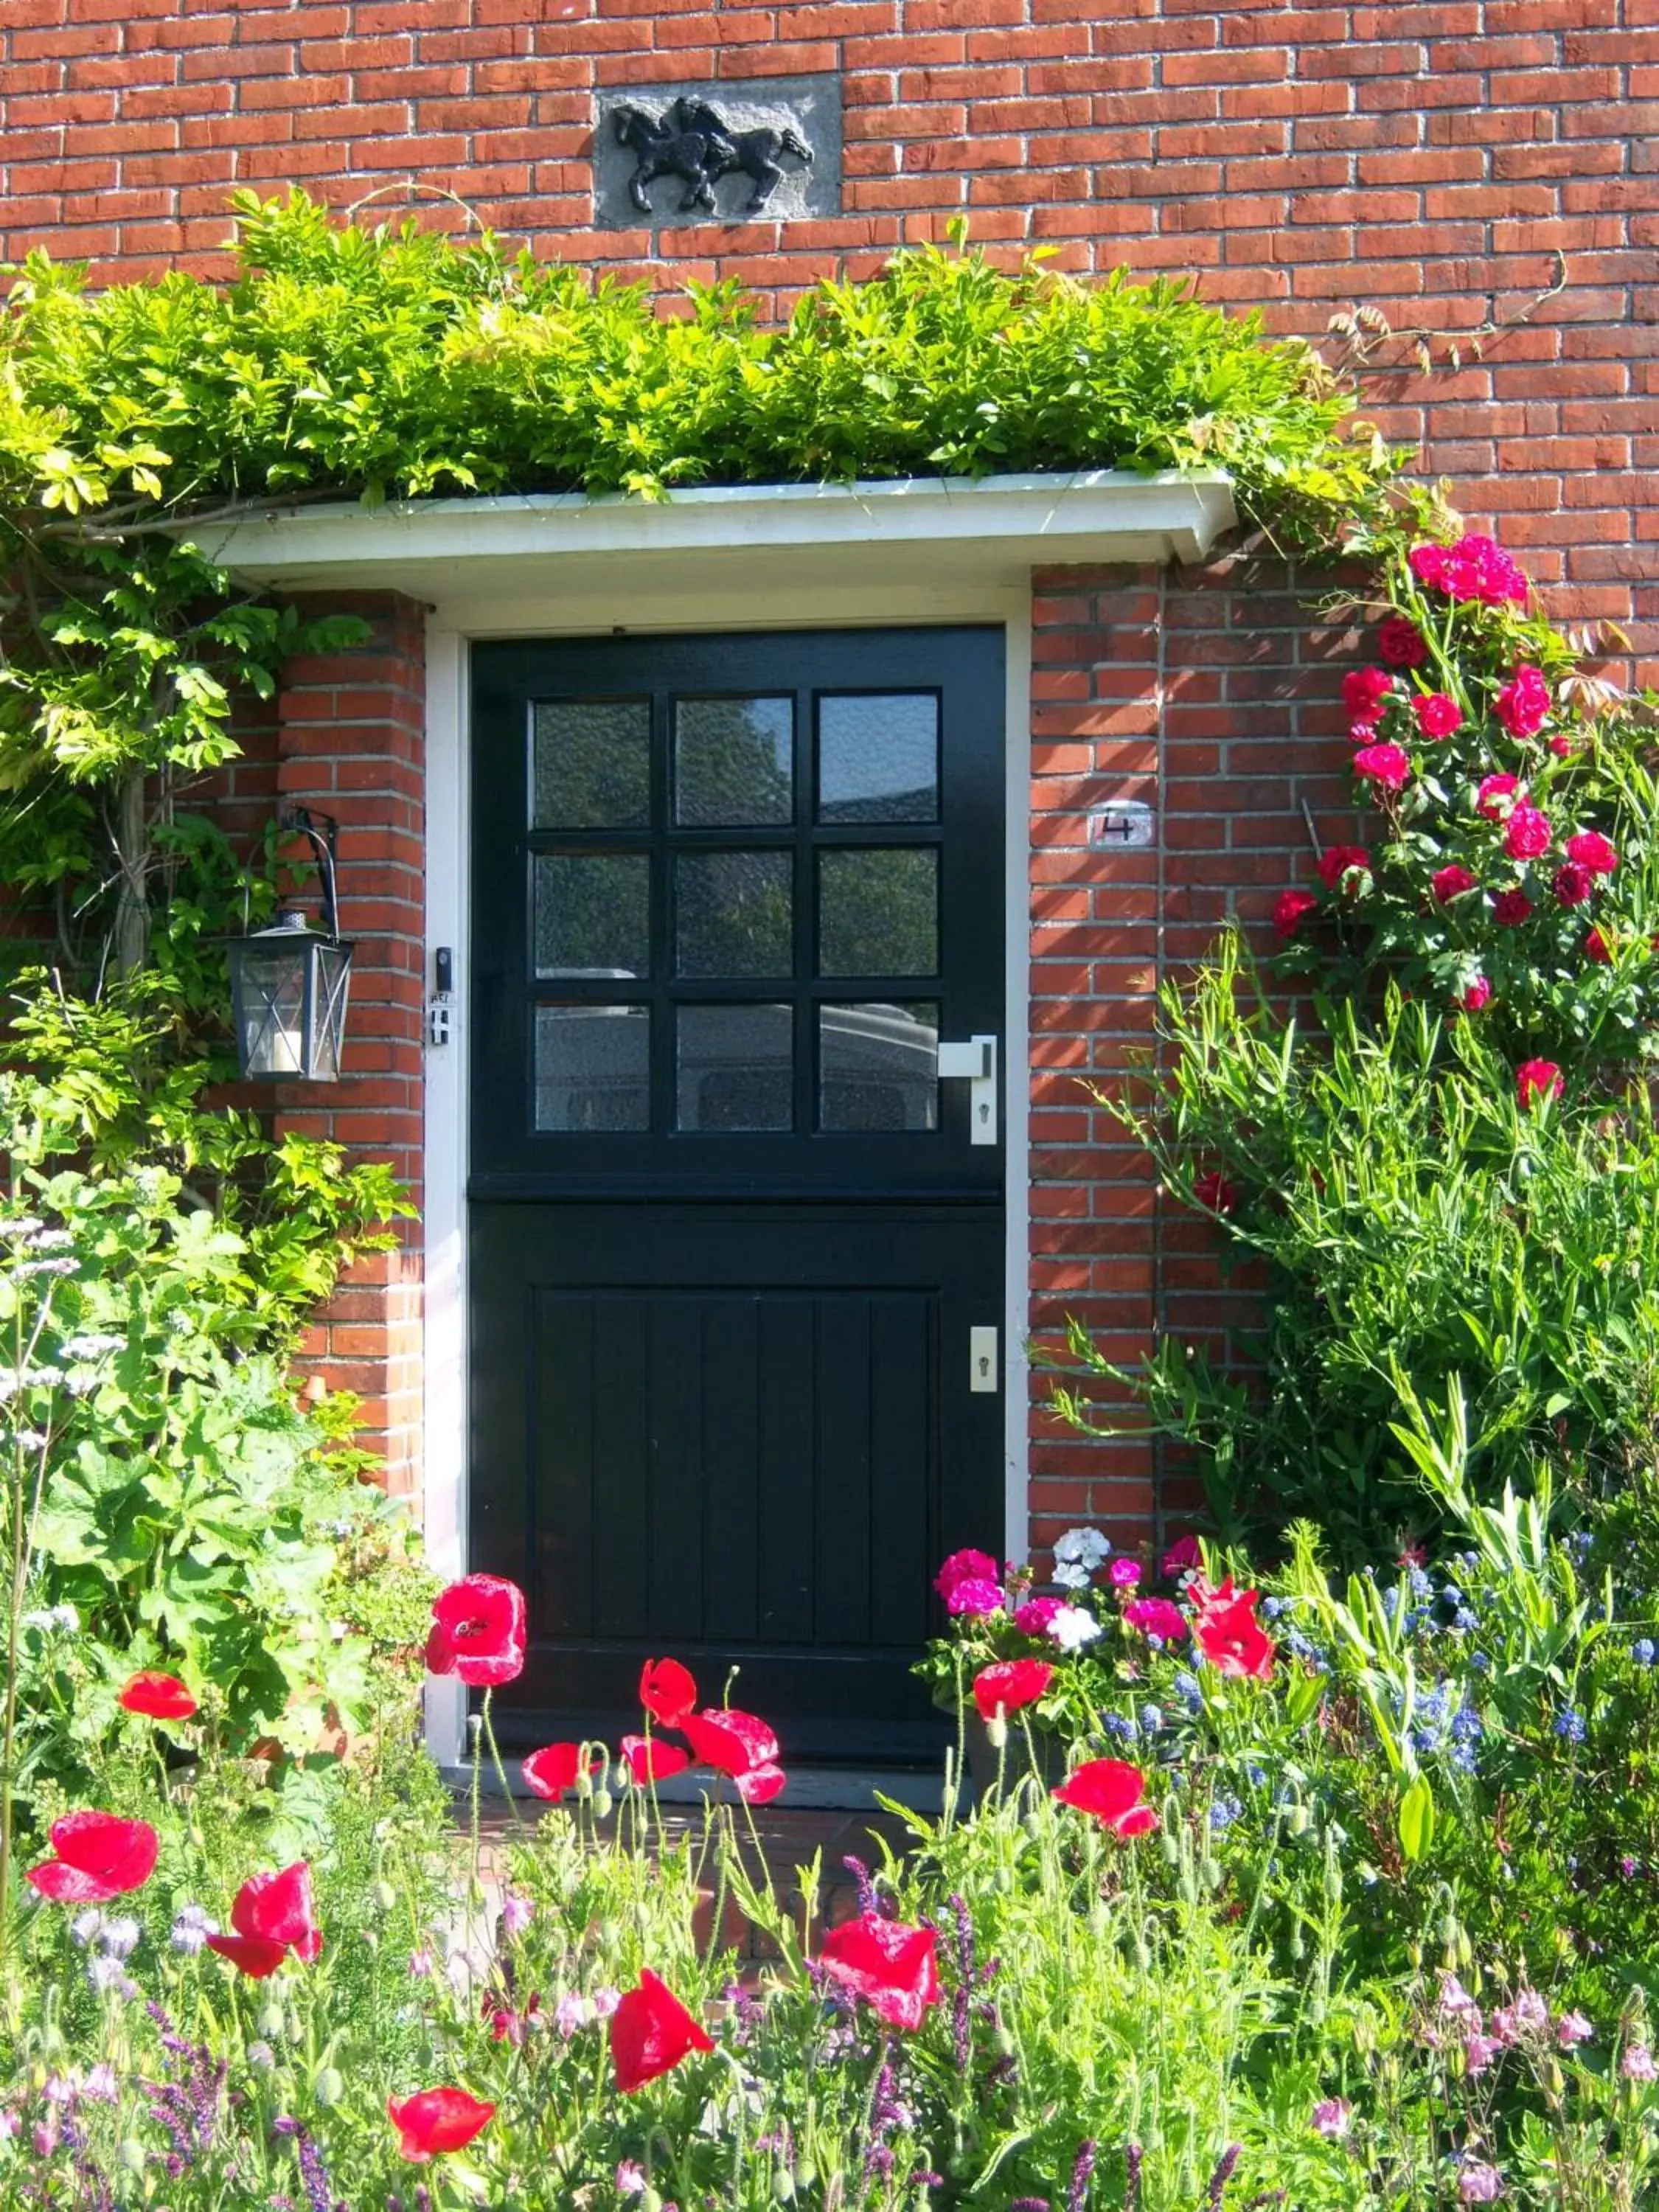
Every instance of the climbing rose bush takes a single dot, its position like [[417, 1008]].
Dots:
[[1511, 874]]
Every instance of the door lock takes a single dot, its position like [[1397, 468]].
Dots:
[[984, 1362], [975, 1063]]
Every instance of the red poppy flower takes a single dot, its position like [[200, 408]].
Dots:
[[1009, 1685], [478, 1632], [1536, 1080], [554, 1769], [436, 2121], [667, 1691], [1233, 1640], [651, 2033], [254, 1955], [158, 1696], [99, 1857], [761, 1784], [731, 1741], [277, 1908], [648, 1758], [891, 1967], [1113, 1792]]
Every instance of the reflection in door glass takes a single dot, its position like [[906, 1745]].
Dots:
[[592, 1068], [592, 764], [878, 1067], [879, 756], [734, 914], [592, 914], [735, 1067], [878, 912], [733, 762]]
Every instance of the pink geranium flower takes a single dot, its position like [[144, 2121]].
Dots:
[[1157, 1616]]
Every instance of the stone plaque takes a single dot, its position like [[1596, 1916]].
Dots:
[[760, 151]]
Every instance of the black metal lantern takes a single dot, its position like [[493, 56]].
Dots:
[[288, 984]]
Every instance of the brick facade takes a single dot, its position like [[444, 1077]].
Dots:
[[1431, 160]]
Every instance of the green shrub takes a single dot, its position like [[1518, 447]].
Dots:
[[1405, 1217]]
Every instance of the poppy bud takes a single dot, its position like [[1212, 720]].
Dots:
[[272, 2022], [1298, 1942], [385, 1896], [1168, 1843], [1299, 1820], [330, 2086], [602, 1809], [651, 2200], [1033, 1825], [806, 2175], [1448, 1931], [783, 2185], [1188, 1887], [1003, 2043], [131, 2157], [996, 1733]]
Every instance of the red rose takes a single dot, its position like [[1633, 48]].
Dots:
[[1597, 949], [1428, 565], [1523, 703], [1362, 733], [648, 1758], [1289, 909], [1493, 798], [1512, 909], [1386, 766], [99, 1857], [1438, 714], [436, 2121], [1474, 994], [1527, 833], [479, 1632], [1593, 851], [667, 1691], [554, 1769], [1574, 884], [1337, 862], [1452, 882], [1011, 1685], [651, 2033], [892, 1967], [1216, 1195], [1233, 1640], [158, 1696], [1536, 1080], [1401, 644], [1364, 690], [1113, 1792]]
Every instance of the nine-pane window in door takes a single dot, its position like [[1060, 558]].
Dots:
[[734, 908]]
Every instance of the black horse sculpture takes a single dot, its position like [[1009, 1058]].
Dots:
[[662, 149], [755, 152], [695, 144]]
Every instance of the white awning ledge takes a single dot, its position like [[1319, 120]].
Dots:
[[990, 530]]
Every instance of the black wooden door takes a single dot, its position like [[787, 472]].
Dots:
[[729, 1233]]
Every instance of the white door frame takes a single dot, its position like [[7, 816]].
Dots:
[[451, 625]]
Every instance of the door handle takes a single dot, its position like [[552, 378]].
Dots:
[[974, 1062]]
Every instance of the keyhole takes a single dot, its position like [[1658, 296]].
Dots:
[[984, 1113], [984, 1366]]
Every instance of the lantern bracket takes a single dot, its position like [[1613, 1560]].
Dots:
[[323, 833]]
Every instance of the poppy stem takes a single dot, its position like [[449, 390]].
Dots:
[[495, 1761]]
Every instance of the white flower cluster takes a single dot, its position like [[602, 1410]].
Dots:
[[1078, 1554]]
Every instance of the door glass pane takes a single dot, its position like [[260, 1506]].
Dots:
[[592, 914], [878, 758], [592, 1068], [734, 914], [735, 1067], [878, 1067], [592, 764], [733, 761], [878, 912]]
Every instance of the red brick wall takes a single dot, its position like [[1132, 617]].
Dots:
[[1430, 160], [351, 742]]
